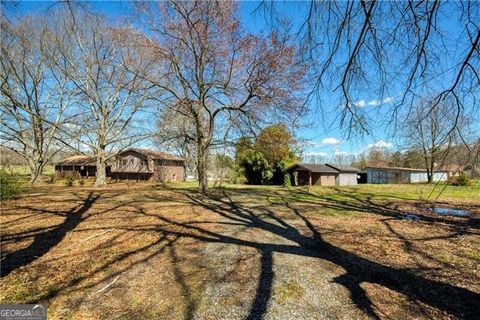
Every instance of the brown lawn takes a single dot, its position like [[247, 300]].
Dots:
[[146, 252]]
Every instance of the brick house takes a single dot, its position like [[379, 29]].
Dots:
[[131, 164]]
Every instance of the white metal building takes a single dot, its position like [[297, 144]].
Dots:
[[401, 175]]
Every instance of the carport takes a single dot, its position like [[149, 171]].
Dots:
[[312, 174]]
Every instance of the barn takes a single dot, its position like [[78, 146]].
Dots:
[[387, 175], [322, 174], [131, 164]]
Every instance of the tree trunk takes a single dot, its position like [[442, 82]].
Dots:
[[101, 176], [430, 170], [36, 169], [429, 177], [202, 155], [203, 144]]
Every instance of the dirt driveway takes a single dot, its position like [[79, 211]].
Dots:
[[150, 253]]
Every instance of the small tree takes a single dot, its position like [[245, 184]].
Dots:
[[223, 165], [462, 180], [255, 167], [432, 128], [264, 161]]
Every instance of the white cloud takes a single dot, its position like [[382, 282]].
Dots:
[[360, 103], [380, 145], [372, 103], [70, 125], [388, 100], [330, 141], [341, 153]]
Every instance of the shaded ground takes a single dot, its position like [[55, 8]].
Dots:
[[149, 253]]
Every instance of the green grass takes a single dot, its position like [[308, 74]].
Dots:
[[403, 191], [25, 170], [288, 291], [377, 192], [374, 192], [472, 253]]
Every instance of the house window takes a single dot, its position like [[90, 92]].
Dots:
[[174, 176]]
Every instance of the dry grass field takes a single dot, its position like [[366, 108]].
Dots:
[[148, 252]]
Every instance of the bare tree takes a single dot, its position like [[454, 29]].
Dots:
[[430, 130], [112, 98], [34, 98], [377, 156], [215, 74]]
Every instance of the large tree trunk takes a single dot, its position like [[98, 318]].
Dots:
[[202, 167], [101, 176], [36, 170], [203, 144]]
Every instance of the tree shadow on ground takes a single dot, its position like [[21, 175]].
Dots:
[[456, 301], [342, 200], [459, 302], [45, 240]]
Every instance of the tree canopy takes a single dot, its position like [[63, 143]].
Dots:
[[262, 161]]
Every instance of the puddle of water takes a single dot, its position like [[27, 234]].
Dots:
[[411, 217], [451, 212]]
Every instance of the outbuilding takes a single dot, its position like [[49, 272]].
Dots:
[[322, 174], [387, 175], [346, 176]]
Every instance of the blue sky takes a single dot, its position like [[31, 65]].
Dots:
[[322, 133]]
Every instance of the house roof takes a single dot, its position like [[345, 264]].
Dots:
[[343, 168], [84, 160], [317, 168], [154, 154], [78, 160]]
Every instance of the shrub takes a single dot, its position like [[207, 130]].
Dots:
[[461, 180], [70, 181], [10, 187], [81, 182], [287, 183]]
